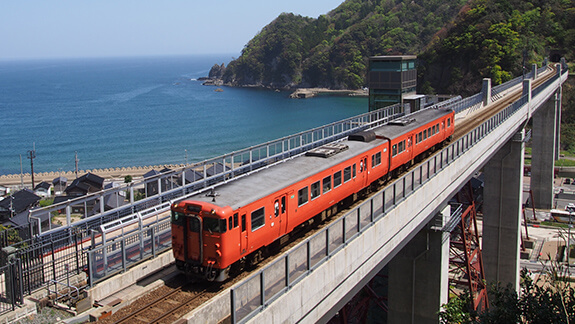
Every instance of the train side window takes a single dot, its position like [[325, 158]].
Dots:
[[230, 223], [347, 174], [315, 190], [424, 134], [337, 179], [353, 170], [302, 196], [437, 128], [235, 220], [326, 184], [243, 222], [429, 132], [448, 122], [394, 150], [276, 208], [283, 205], [258, 218], [376, 159]]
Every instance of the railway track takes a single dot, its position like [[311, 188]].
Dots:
[[469, 122], [166, 304]]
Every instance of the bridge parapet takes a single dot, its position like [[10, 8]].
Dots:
[[313, 279]]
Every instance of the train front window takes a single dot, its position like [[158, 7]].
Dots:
[[177, 218], [214, 225], [194, 224]]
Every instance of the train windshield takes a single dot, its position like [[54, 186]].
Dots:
[[214, 225], [177, 217]]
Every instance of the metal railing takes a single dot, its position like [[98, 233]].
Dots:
[[10, 286], [117, 255], [186, 180], [262, 288]]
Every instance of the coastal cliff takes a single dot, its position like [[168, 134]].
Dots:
[[455, 41]]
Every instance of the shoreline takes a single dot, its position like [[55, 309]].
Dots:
[[304, 93], [110, 174]]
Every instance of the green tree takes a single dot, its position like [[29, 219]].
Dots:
[[549, 299]]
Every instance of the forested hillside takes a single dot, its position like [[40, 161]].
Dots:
[[491, 38], [458, 42], [332, 50]]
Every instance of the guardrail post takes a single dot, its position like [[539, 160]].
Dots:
[[233, 306], [343, 231], [262, 289], [53, 260], [102, 205], [76, 254], [383, 202], [152, 231], [68, 214], [287, 281], [486, 91], [358, 219], [327, 241], [123, 248], [527, 92], [308, 250]]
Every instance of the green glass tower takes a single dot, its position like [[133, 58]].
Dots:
[[391, 79]]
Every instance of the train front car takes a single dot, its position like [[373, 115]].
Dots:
[[199, 235]]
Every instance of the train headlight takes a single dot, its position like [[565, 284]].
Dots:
[[218, 253]]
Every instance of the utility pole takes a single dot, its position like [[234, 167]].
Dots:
[[76, 161], [32, 156], [21, 174]]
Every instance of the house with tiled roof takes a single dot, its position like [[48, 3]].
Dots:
[[43, 189], [18, 202], [88, 183]]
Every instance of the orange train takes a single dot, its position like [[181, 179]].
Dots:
[[236, 222]]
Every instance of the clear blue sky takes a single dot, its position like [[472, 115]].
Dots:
[[99, 28]]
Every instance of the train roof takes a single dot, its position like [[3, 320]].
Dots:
[[410, 122], [267, 181]]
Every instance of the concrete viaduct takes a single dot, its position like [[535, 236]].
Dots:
[[394, 227]]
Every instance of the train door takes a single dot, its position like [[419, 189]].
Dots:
[[363, 176], [243, 236], [409, 147], [280, 213], [193, 239]]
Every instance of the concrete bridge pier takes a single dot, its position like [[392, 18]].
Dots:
[[418, 277], [545, 150], [502, 204]]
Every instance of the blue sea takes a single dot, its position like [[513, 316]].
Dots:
[[123, 112]]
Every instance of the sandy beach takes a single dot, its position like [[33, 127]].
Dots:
[[110, 174]]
